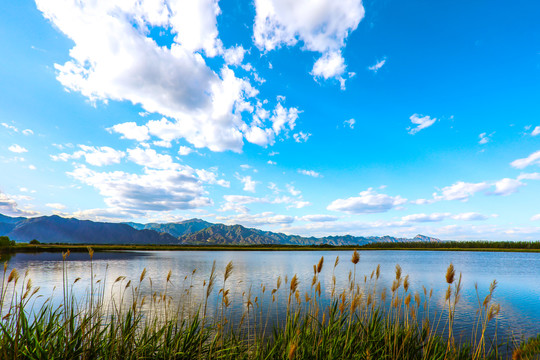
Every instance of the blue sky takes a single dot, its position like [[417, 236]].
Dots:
[[311, 118]]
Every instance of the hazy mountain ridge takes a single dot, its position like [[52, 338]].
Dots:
[[52, 229]]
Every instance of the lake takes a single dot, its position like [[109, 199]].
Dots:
[[517, 275]]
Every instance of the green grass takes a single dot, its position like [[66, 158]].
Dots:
[[362, 321], [501, 246]]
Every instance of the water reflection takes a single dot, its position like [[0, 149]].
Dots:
[[518, 290]]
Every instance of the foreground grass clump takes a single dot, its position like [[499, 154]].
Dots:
[[361, 321]]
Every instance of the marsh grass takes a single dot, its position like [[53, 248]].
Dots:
[[362, 320]]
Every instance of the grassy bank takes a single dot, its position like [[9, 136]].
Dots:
[[364, 320], [502, 246]]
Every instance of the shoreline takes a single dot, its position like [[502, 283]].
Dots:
[[26, 248]]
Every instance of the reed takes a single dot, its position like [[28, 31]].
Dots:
[[138, 322]]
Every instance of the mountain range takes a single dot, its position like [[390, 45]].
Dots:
[[56, 229]]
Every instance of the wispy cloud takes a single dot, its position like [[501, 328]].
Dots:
[[421, 122], [377, 65]]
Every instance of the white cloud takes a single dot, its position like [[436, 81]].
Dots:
[[9, 127], [10, 207], [17, 149], [151, 159], [311, 173], [460, 191], [529, 176], [163, 143], [435, 217], [536, 131], [210, 177], [507, 186], [235, 55], [535, 217], [377, 65], [421, 121], [31, 167], [266, 218], [292, 190], [291, 202], [56, 206], [484, 138], [321, 26], [330, 65], [155, 189], [533, 159], [94, 155], [270, 162], [369, 201], [184, 150], [132, 131], [283, 118], [318, 218], [114, 58], [470, 216], [350, 123], [301, 137], [27, 132], [249, 183], [237, 202]]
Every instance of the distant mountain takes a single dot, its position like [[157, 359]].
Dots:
[[175, 229], [52, 229], [220, 234]]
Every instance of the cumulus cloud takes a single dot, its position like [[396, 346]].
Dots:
[[533, 159], [151, 159], [377, 65], [211, 177], [460, 191], [369, 201], [507, 186], [311, 173], [94, 155], [114, 58], [56, 206], [535, 217], [301, 137], [248, 182], [154, 189], [184, 150], [421, 121], [17, 149], [330, 65], [10, 207], [536, 131], [9, 127], [321, 26], [132, 131]]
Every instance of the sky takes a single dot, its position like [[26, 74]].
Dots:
[[304, 117]]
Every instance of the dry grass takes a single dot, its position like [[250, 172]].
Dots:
[[361, 320]]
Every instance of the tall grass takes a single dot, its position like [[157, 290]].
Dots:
[[362, 320]]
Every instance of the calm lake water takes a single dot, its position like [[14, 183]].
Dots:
[[517, 275]]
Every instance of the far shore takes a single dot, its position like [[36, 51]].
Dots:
[[483, 246]]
